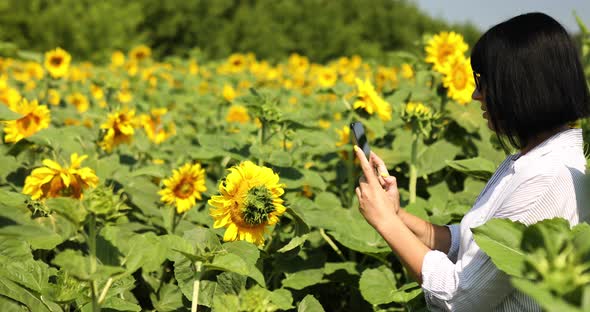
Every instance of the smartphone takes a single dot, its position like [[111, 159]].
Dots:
[[359, 137]]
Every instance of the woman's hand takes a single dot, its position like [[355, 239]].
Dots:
[[389, 183], [377, 205]]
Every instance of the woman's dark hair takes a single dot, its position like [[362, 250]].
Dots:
[[531, 77]]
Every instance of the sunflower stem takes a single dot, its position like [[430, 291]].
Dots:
[[93, 264], [196, 285], [413, 167], [172, 217], [332, 244]]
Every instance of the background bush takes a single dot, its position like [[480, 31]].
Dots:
[[319, 29]]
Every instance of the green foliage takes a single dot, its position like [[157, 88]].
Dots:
[[271, 29], [547, 260]]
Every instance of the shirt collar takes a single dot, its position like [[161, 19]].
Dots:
[[559, 142]]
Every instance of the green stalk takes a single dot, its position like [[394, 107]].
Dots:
[[196, 285], [172, 217], [413, 168], [93, 264], [332, 244], [262, 138]]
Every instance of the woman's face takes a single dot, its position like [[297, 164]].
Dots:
[[480, 96]]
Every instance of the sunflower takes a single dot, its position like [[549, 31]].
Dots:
[[249, 200], [154, 127], [118, 129], [458, 78], [53, 97], [344, 135], [53, 180], [34, 118], [140, 53], [237, 63], [237, 113], [117, 59], [407, 71], [370, 101], [417, 109], [229, 93], [57, 62], [327, 77], [97, 92], [441, 46], [79, 100], [10, 96], [184, 187]]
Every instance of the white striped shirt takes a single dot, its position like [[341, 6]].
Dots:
[[544, 183]]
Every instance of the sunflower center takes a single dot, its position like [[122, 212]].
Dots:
[[56, 60], [258, 205], [28, 125], [184, 189]]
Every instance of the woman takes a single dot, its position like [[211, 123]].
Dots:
[[531, 85]]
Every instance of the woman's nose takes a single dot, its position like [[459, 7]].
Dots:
[[476, 95]]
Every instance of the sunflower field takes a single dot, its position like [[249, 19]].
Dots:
[[182, 185]]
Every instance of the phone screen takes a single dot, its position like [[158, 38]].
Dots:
[[359, 137]]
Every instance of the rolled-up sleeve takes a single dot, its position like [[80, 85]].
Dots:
[[455, 230], [474, 286]]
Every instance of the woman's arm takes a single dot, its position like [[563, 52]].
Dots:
[[435, 237]]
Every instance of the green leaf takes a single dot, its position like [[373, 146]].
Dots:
[[69, 208], [250, 254], [229, 262], [38, 236], [22, 295], [501, 240], [545, 298], [7, 304], [169, 298], [304, 278], [294, 243], [310, 304], [31, 274], [479, 168], [348, 267], [282, 298], [434, 157], [80, 266], [468, 116], [153, 171], [7, 114], [119, 304], [15, 249], [347, 226], [226, 303], [378, 285]]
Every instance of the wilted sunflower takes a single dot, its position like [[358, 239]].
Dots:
[[443, 45], [57, 62], [34, 118], [458, 78], [184, 187], [118, 129], [370, 101], [249, 200], [53, 180], [155, 128]]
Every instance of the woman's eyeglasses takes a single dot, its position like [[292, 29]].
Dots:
[[476, 78]]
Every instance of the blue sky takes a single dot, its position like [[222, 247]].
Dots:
[[485, 14]]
